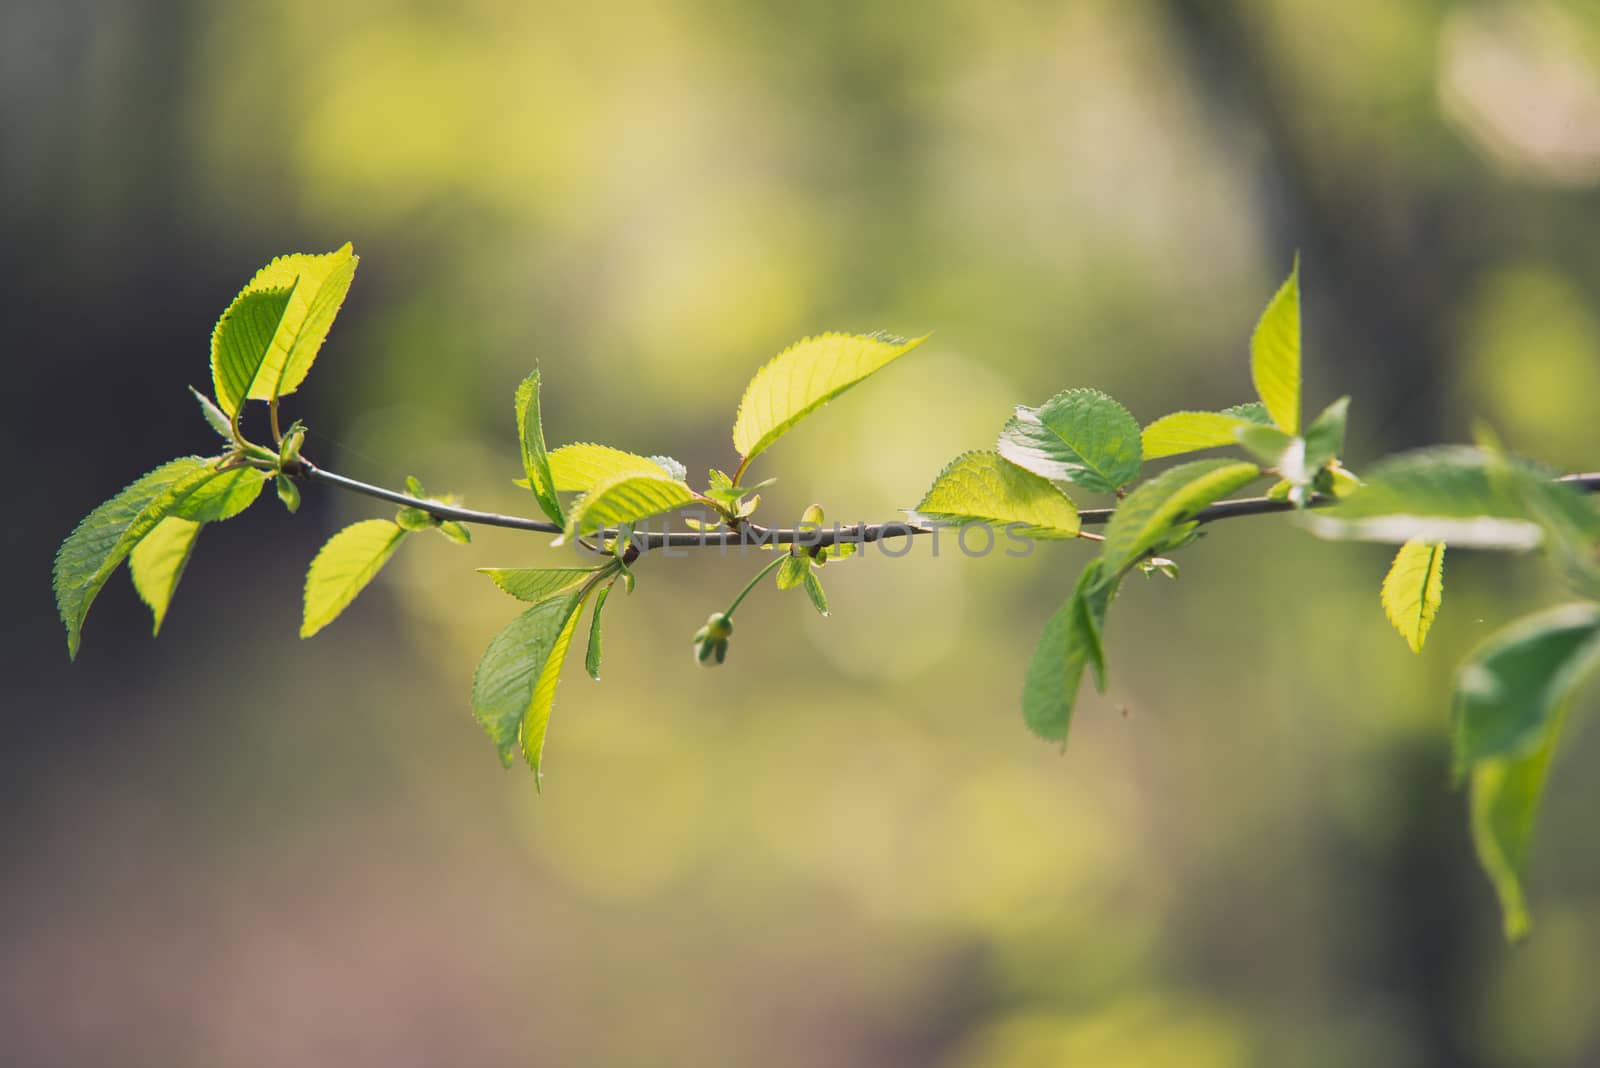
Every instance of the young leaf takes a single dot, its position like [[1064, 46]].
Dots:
[[1455, 494], [1183, 432], [98, 545], [288, 493], [672, 467], [535, 584], [1153, 512], [242, 343], [344, 566], [456, 532], [805, 376], [1325, 435], [1271, 445], [792, 572], [591, 659], [1413, 589], [535, 459], [1508, 689], [157, 562], [1505, 801], [819, 600], [1080, 436], [1275, 355], [214, 416], [580, 467], [323, 281], [625, 499], [515, 684], [983, 487], [1071, 641]]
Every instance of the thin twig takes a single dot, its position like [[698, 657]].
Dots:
[[811, 537]]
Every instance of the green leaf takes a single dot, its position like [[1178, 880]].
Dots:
[[1456, 494], [1071, 641], [1325, 435], [1183, 432], [242, 343], [323, 281], [792, 572], [344, 566], [1080, 436], [805, 376], [535, 460], [1250, 412], [214, 416], [98, 545], [625, 499], [537, 584], [819, 600], [515, 684], [222, 496], [1508, 689], [157, 563], [672, 467], [288, 493], [1413, 590], [582, 466], [1505, 801], [1275, 355], [1155, 511], [1273, 447], [591, 659], [456, 532], [984, 487]]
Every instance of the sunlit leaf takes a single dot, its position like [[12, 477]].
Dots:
[[805, 376], [158, 561], [1080, 436], [819, 600], [320, 283], [625, 499], [1325, 435], [984, 487], [215, 418], [1413, 590], [535, 459], [580, 467], [1183, 432], [344, 566], [242, 342], [1152, 514], [536, 584], [1275, 355]]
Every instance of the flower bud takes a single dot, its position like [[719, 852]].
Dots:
[[711, 640]]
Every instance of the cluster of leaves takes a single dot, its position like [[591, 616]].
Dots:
[[1510, 694]]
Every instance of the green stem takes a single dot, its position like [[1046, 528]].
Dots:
[[752, 584]]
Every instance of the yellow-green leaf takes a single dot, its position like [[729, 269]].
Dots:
[[1275, 355], [984, 487], [98, 545], [1505, 796], [349, 560], [535, 459], [536, 584], [1413, 589], [156, 563], [1183, 432], [515, 684], [242, 341], [625, 499], [805, 376], [1152, 514], [323, 281], [583, 465]]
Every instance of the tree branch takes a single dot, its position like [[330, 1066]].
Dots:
[[754, 534]]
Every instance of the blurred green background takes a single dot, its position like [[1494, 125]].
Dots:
[[842, 848]]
